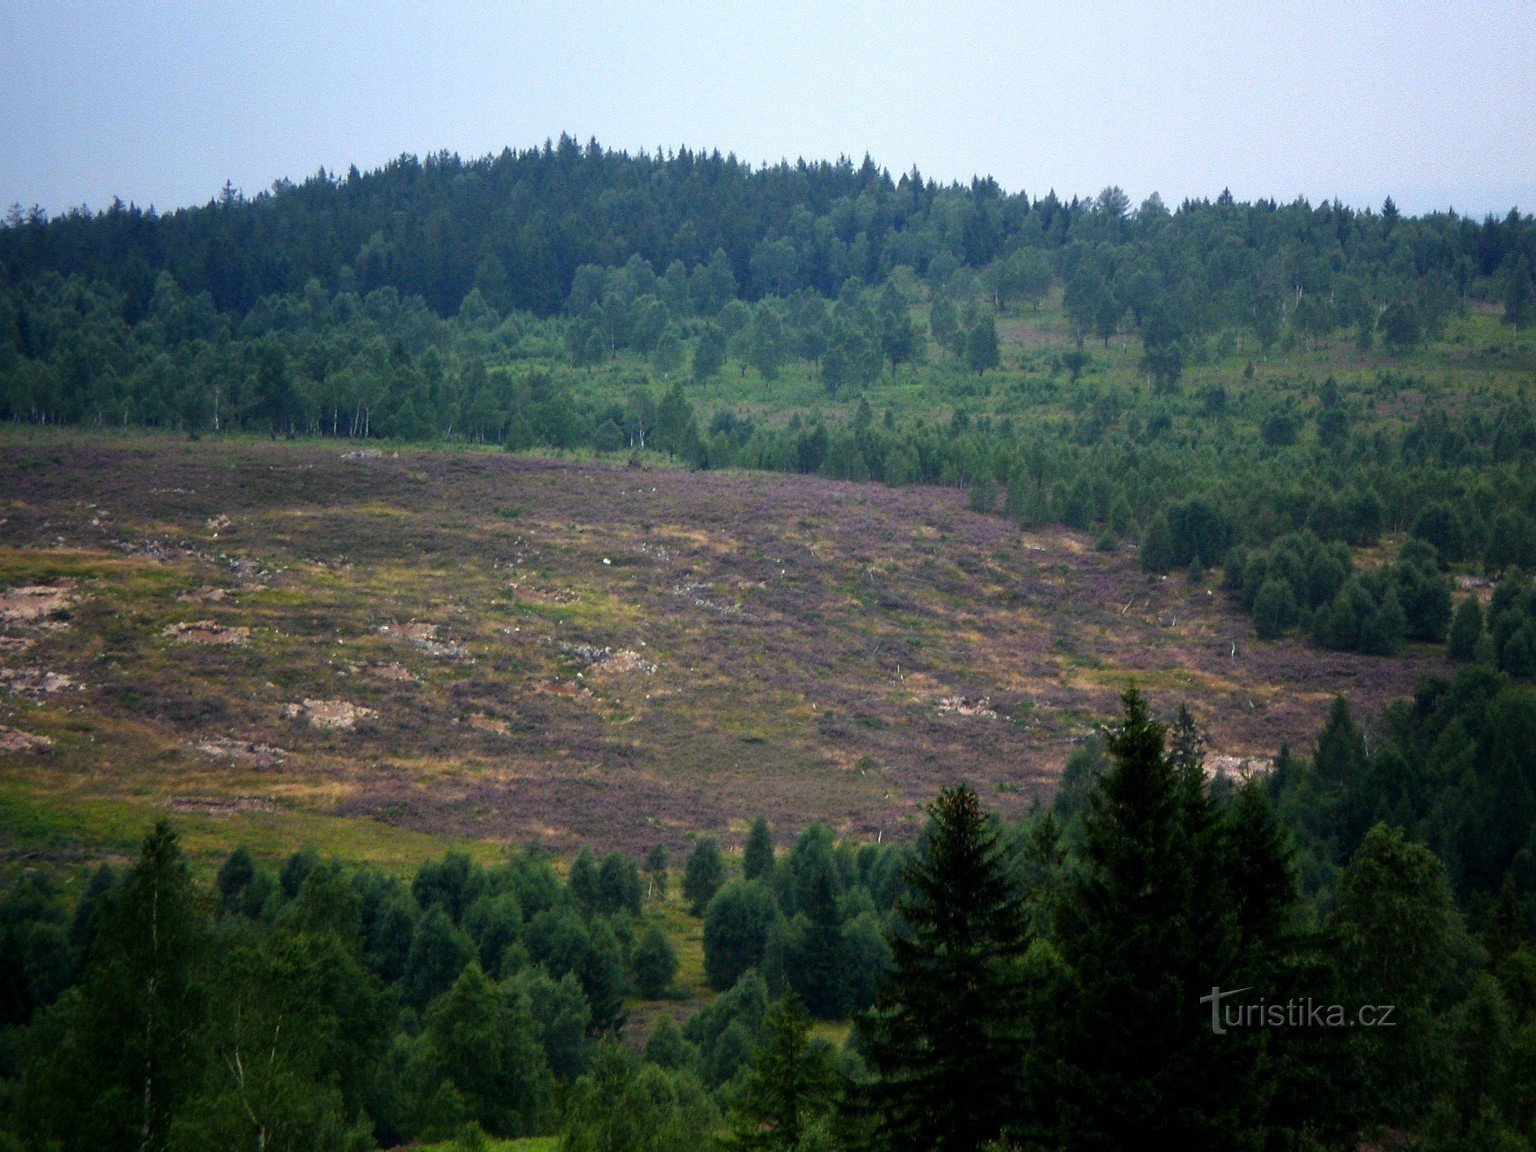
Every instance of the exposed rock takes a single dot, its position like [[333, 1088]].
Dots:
[[15, 740], [36, 681], [206, 632], [205, 595], [245, 752], [424, 636], [220, 805], [966, 706], [337, 714], [34, 604], [1238, 767]]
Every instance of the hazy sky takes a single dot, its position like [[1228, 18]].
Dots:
[[1434, 104]]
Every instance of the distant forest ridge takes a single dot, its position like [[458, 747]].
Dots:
[[519, 225]]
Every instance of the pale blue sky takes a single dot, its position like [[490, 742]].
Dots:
[[160, 103]]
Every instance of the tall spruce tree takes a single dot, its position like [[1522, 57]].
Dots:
[[757, 853], [788, 1089], [944, 1039], [1128, 1056], [124, 1056]]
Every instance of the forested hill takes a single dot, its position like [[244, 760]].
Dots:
[[519, 225]]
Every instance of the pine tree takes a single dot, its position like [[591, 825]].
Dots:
[[654, 963], [656, 872], [1145, 929], [125, 1055], [702, 875], [1466, 630], [787, 1089], [757, 854], [944, 1039], [819, 972]]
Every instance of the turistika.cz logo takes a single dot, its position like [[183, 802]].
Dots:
[[1298, 1012]]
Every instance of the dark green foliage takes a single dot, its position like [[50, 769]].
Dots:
[[787, 1091], [480, 1051], [283, 1056], [37, 961], [1466, 630], [1158, 553], [296, 870], [452, 883], [439, 952], [665, 1046], [122, 1058], [736, 928], [757, 853], [981, 348], [943, 1040], [238, 885], [1152, 921], [1274, 610], [581, 881], [619, 887], [494, 924], [562, 1020], [92, 908], [726, 1030], [625, 1106], [1399, 941], [702, 875], [816, 965], [655, 869], [654, 964]]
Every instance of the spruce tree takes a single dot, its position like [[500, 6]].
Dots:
[[944, 1039], [124, 1056], [1128, 1057], [788, 1087], [702, 875], [1466, 630], [757, 854]]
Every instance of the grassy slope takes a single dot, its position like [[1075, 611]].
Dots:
[[805, 635]]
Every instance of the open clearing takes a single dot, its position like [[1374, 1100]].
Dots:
[[291, 642]]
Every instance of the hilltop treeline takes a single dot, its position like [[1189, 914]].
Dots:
[[519, 225], [1049, 984]]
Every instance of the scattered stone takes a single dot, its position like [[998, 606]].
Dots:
[[34, 604], [489, 724], [565, 688], [603, 659], [966, 706], [415, 631], [36, 681], [220, 805], [205, 595], [15, 740], [220, 522], [256, 755], [424, 636], [362, 454], [206, 632], [336, 714], [394, 672], [1238, 767], [627, 661]]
